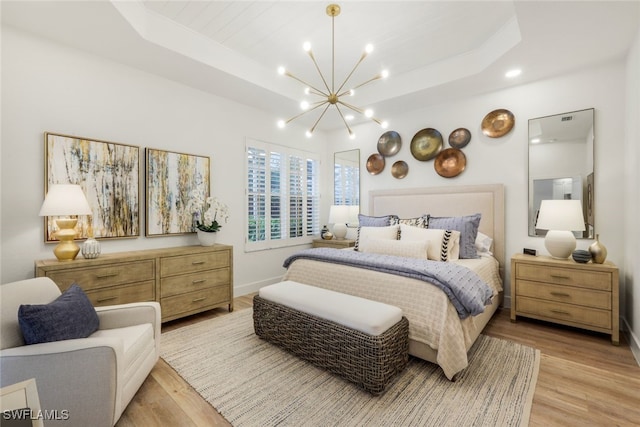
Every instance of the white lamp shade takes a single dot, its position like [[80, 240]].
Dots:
[[353, 214], [65, 199], [563, 215], [339, 214]]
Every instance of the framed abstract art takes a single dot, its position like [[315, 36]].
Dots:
[[109, 174]]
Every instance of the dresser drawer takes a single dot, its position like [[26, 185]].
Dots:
[[136, 292], [564, 312], [194, 301], [105, 276], [564, 294], [192, 282], [565, 276], [172, 266]]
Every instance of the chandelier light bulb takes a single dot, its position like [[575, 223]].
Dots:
[[281, 71], [309, 134], [384, 74], [352, 92], [349, 117], [384, 124], [306, 46], [368, 48], [368, 113], [307, 90], [352, 135], [281, 124], [304, 105]]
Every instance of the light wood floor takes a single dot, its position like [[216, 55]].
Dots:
[[583, 380]]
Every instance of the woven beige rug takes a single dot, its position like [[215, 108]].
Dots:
[[254, 383]]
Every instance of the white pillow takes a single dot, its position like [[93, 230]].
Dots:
[[444, 245], [483, 243], [385, 233], [407, 249]]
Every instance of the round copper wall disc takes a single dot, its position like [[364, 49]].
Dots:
[[459, 138], [498, 123], [450, 162], [389, 143], [426, 144], [400, 169], [375, 163]]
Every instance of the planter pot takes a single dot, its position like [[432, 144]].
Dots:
[[207, 238]]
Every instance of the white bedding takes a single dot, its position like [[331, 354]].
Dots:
[[433, 320]]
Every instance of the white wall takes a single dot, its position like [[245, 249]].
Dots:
[[504, 160], [632, 197], [49, 87]]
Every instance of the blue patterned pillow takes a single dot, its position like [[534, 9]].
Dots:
[[466, 225], [69, 316], [376, 221]]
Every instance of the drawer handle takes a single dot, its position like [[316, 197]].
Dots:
[[557, 276], [106, 276], [106, 299], [197, 263], [199, 299], [195, 282], [559, 294], [565, 313]]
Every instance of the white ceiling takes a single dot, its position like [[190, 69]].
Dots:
[[434, 50]]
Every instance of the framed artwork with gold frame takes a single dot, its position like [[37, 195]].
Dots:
[[172, 179], [109, 174]]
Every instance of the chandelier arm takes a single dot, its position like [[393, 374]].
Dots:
[[319, 118], [319, 104], [372, 79], [288, 74], [313, 58], [364, 55], [359, 110], [344, 120]]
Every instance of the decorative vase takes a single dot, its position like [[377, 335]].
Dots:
[[581, 256], [598, 251], [91, 248], [207, 238], [325, 233]]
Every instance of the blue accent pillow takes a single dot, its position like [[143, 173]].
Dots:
[[69, 316], [376, 221], [466, 225]]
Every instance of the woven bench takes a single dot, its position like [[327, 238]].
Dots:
[[363, 341]]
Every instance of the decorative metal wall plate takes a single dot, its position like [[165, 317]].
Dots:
[[498, 123], [450, 162], [426, 144], [399, 169], [375, 163], [459, 138], [389, 143]]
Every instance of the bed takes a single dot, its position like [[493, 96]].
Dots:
[[436, 331]]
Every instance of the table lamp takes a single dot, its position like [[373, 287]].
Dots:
[[560, 218], [339, 216], [65, 200]]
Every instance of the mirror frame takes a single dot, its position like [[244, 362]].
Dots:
[[353, 158], [555, 179]]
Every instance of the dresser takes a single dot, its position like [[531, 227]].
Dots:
[[333, 243], [566, 292], [184, 280]]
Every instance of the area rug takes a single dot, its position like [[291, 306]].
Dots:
[[254, 383]]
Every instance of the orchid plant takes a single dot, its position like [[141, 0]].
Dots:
[[207, 211]]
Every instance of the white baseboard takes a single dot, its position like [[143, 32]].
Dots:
[[249, 288], [634, 342]]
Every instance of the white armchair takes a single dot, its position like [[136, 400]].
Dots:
[[92, 378]]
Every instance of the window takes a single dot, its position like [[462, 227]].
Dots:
[[346, 178], [283, 196]]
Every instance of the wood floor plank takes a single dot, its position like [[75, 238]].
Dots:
[[584, 380]]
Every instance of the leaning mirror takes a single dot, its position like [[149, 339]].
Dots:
[[561, 149], [346, 178]]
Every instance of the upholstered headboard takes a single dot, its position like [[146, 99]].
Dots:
[[487, 200]]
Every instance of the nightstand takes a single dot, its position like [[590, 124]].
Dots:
[[333, 243], [566, 292]]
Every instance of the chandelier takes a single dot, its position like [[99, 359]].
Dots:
[[330, 95]]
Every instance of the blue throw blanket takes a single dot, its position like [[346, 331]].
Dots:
[[466, 290]]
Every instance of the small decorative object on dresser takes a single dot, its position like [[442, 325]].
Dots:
[[91, 248], [598, 251], [333, 243], [565, 292], [581, 256], [325, 233]]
